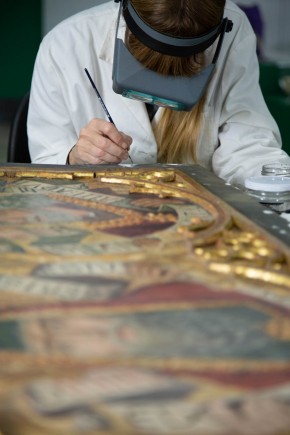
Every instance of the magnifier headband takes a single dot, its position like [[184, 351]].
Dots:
[[133, 80], [164, 43]]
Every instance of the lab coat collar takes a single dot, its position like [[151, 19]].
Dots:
[[107, 47]]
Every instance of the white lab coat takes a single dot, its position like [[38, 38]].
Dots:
[[239, 134]]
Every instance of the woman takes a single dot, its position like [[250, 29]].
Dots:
[[229, 131]]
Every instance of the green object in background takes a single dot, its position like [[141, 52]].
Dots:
[[279, 107], [277, 101], [20, 31]]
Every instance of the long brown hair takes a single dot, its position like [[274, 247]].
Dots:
[[177, 132]]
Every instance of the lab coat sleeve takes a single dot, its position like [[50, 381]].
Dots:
[[50, 130], [248, 135]]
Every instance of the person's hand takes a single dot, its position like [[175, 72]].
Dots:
[[100, 142]]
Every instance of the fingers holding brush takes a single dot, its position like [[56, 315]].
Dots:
[[100, 142]]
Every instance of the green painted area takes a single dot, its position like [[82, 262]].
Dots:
[[20, 31], [277, 102]]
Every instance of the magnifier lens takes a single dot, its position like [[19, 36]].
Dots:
[[169, 104], [137, 96], [146, 98]]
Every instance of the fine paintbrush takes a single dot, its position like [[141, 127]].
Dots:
[[101, 101]]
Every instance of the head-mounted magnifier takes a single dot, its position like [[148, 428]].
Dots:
[[132, 80]]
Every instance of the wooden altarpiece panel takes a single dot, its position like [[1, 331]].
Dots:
[[135, 301]]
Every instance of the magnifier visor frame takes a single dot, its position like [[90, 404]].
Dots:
[[130, 76], [133, 80]]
